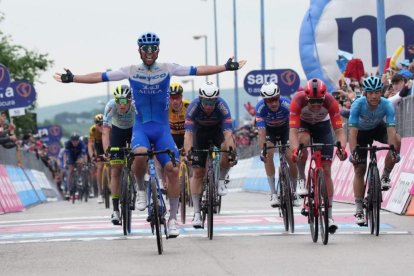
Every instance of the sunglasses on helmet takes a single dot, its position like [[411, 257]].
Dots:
[[147, 48]]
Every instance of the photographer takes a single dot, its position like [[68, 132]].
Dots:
[[7, 137]]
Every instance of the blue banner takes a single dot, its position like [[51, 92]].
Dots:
[[50, 133], [287, 80], [18, 94], [4, 78]]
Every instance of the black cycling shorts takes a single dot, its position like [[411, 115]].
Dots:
[[201, 138]]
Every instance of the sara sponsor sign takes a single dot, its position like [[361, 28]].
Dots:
[[287, 80]]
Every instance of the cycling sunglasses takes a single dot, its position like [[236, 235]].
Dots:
[[147, 48], [208, 102], [121, 101], [316, 100], [271, 100]]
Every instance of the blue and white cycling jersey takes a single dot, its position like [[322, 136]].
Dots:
[[364, 118], [150, 86], [266, 117]]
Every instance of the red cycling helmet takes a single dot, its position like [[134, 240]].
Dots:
[[315, 88]]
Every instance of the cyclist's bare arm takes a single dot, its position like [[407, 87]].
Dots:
[[294, 138], [353, 133], [392, 136], [91, 150], [106, 131], [88, 78], [340, 136], [203, 70], [188, 141], [261, 137]]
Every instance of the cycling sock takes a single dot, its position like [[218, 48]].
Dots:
[[115, 202], [196, 202], [173, 207], [223, 173], [271, 181], [358, 204], [301, 171], [386, 172], [141, 183]]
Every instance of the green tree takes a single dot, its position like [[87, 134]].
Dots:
[[23, 64]]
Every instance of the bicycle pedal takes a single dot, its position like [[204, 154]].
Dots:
[[148, 219]]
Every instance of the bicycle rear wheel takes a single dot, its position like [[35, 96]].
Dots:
[[85, 186], [156, 216], [210, 204], [376, 200], [105, 185], [323, 206], [370, 200]]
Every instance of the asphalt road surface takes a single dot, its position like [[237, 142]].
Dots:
[[58, 238]]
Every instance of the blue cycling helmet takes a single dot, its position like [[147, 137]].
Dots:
[[148, 39], [372, 84]]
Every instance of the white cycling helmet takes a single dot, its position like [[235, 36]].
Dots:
[[269, 90], [209, 90]]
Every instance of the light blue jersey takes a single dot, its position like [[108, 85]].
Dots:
[[364, 118]]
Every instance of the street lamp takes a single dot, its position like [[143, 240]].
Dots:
[[197, 37], [215, 39], [236, 78], [192, 87]]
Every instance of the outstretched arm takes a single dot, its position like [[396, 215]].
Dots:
[[69, 77], [214, 69]]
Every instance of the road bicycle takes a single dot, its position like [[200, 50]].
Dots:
[[373, 198], [210, 199], [185, 192], [79, 188], [285, 186], [316, 203], [156, 204]]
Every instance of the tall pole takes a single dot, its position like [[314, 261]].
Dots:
[[205, 45], [236, 79], [382, 46], [216, 41], [262, 33]]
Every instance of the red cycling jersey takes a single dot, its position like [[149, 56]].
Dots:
[[300, 110]]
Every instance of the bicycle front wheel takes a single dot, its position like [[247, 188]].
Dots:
[[288, 198], [124, 200], [312, 216], [156, 216], [376, 201], [184, 180], [210, 204], [323, 206], [105, 185]]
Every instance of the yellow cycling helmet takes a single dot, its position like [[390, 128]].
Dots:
[[176, 89]]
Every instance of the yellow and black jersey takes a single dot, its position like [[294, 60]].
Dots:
[[95, 135], [177, 119]]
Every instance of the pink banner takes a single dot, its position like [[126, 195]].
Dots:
[[9, 200], [343, 173]]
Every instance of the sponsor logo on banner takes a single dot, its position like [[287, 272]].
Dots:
[[287, 80], [50, 133], [332, 25], [18, 94], [4, 78]]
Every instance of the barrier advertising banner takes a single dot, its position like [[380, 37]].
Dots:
[[9, 199], [24, 189], [35, 184]]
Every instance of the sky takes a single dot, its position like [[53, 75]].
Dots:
[[95, 35]]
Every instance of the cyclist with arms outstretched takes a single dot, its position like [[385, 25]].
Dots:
[[150, 82], [272, 120], [312, 114], [366, 125]]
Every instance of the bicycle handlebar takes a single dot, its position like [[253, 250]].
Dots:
[[266, 147], [230, 151], [152, 153], [376, 148], [319, 146]]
